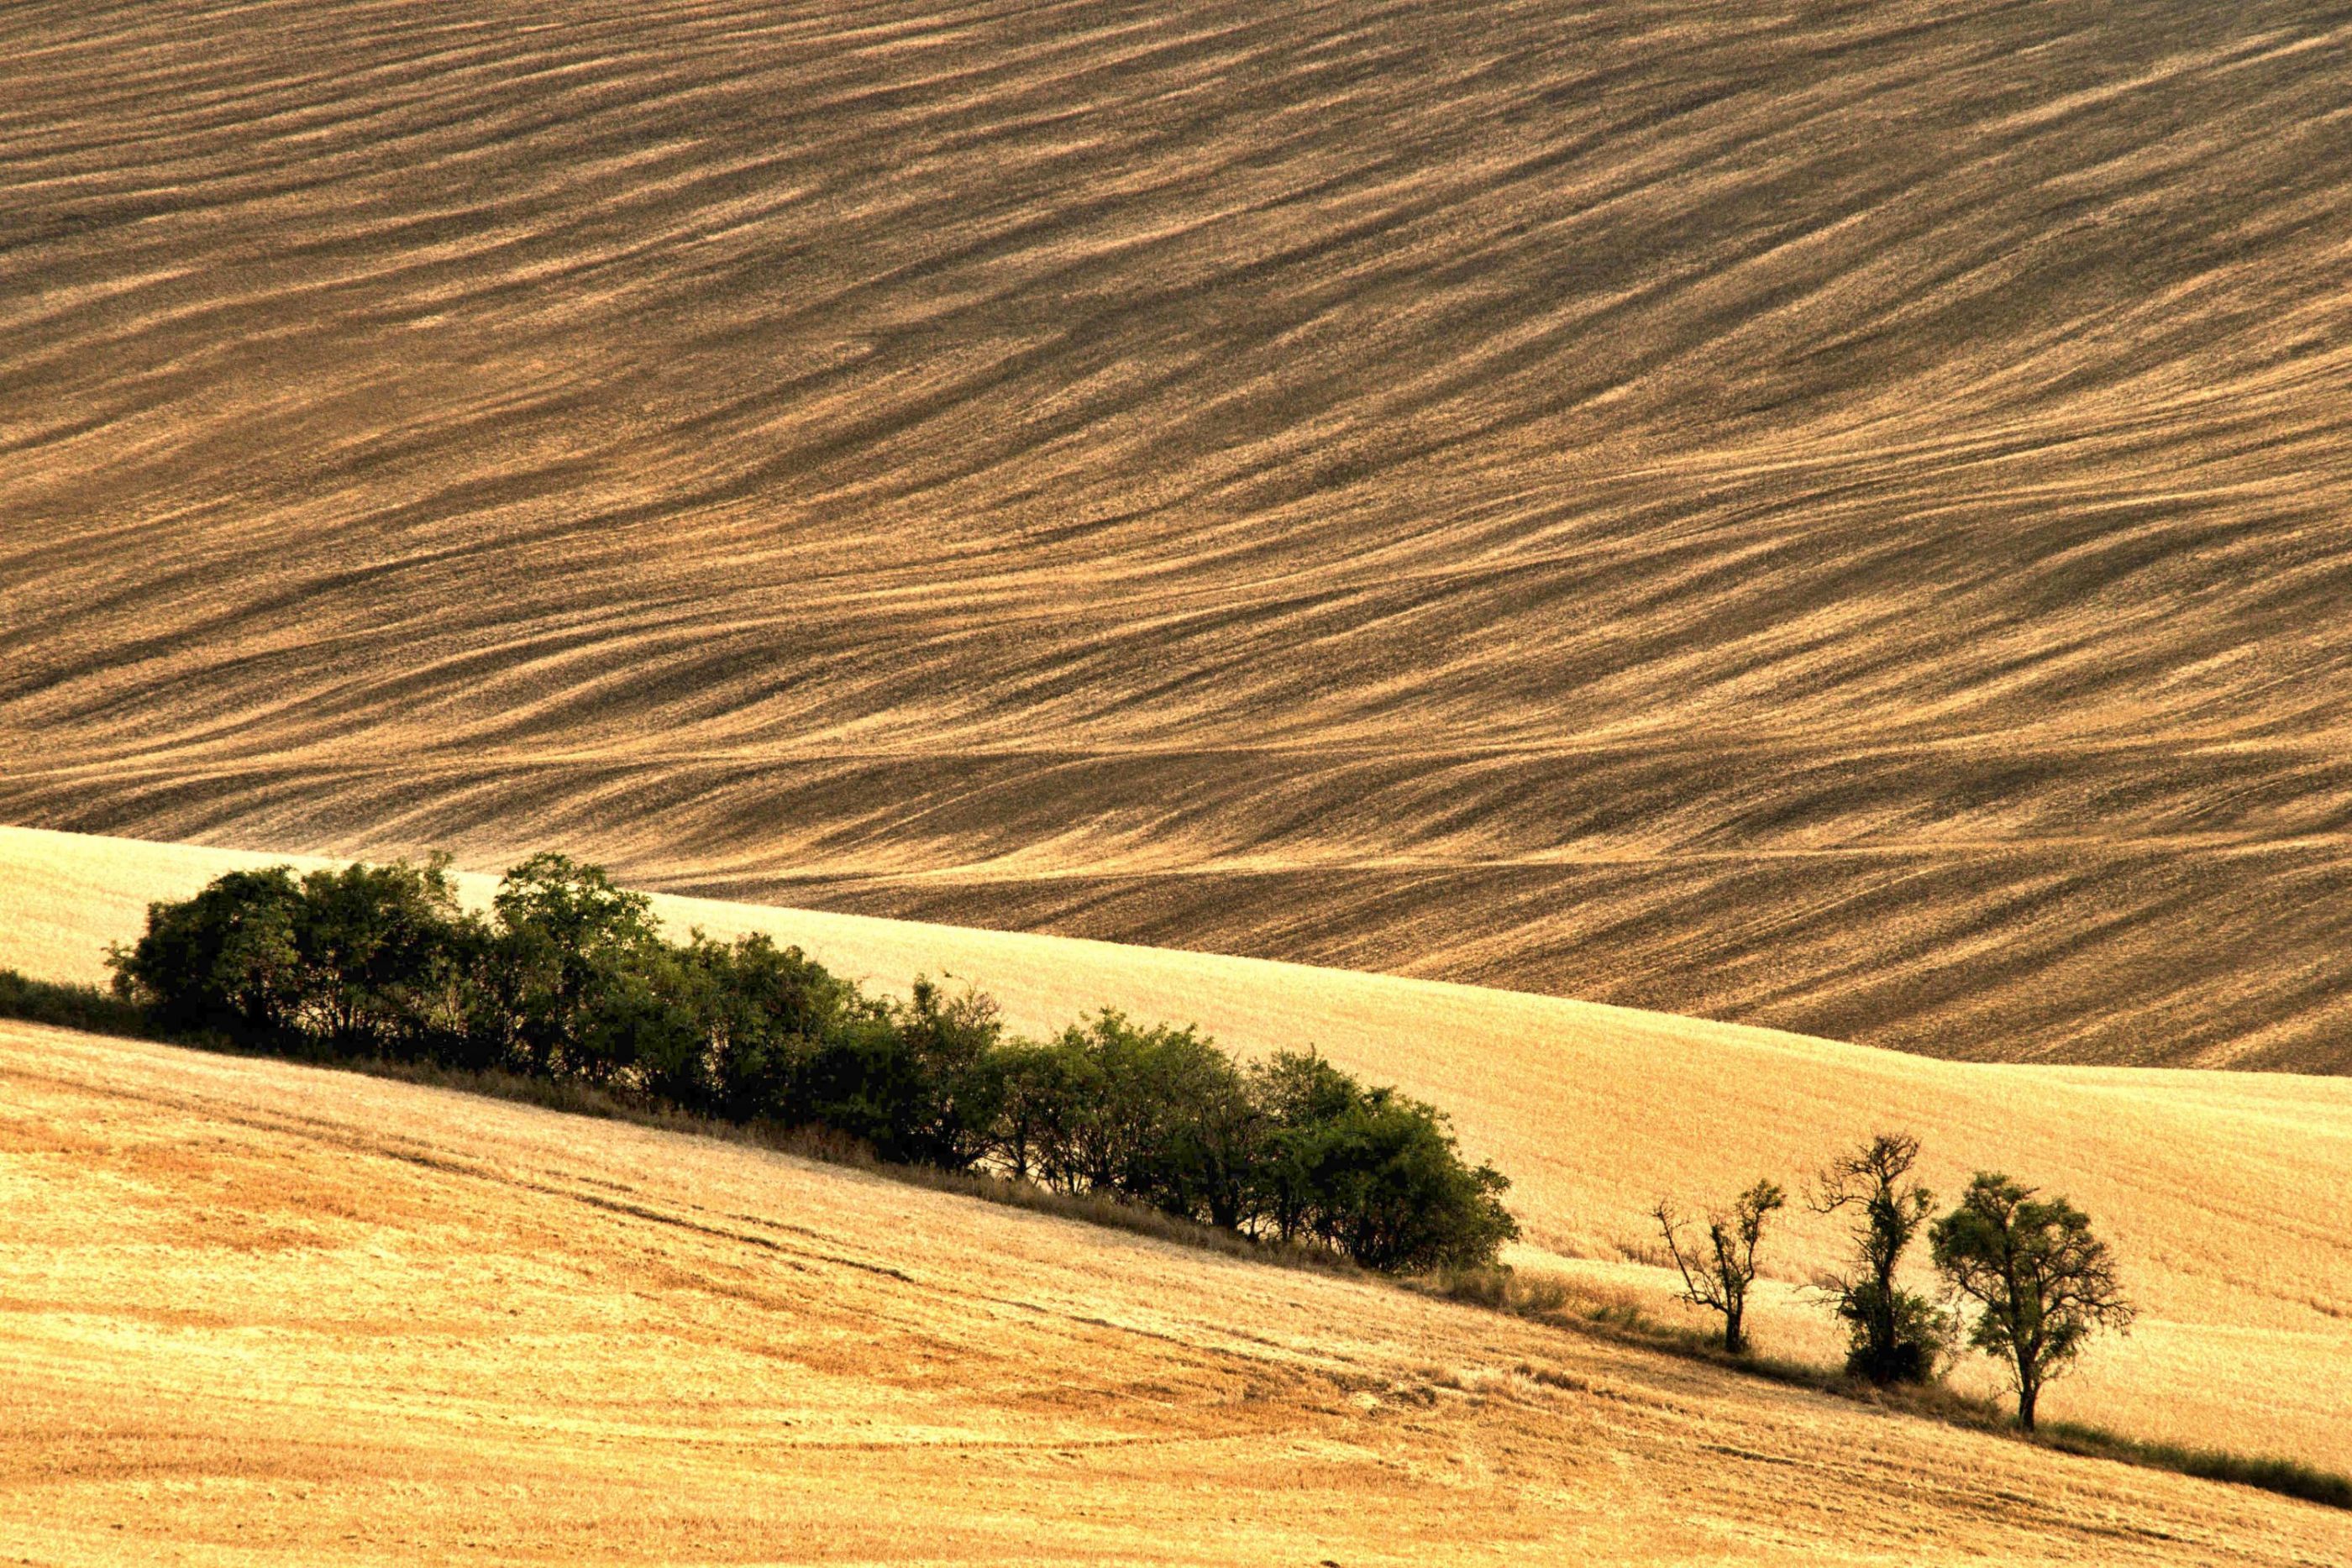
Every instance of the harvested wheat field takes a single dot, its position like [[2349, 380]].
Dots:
[[260, 1313], [2229, 1196], [1825, 516]]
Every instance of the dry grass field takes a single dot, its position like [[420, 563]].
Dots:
[[1830, 516], [263, 1314], [2229, 1196]]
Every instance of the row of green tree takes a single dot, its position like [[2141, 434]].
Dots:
[[2039, 1284], [569, 977]]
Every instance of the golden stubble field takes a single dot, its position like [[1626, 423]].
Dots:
[[259, 1315], [2229, 1196], [1825, 516]]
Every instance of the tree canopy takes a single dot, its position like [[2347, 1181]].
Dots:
[[2042, 1282], [569, 977]]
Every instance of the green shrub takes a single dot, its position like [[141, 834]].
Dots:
[[1893, 1335], [61, 1005], [569, 982]]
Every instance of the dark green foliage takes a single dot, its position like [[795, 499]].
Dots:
[[1042, 1088], [372, 963], [764, 1011], [2289, 1477], [1300, 1096], [1158, 1116], [913, 1083], [570, 982], [950, 1118], [365, 960], [2042, 1282], [222, 960], [1381, 1181], [1294, 1150], [60, 1005], [1894, 1335], [567, 983]]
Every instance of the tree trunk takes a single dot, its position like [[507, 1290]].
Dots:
[[1733, 1340], [2026, 1394]]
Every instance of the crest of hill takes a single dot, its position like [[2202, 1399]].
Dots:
[[2225, 1194], [1829, 518]]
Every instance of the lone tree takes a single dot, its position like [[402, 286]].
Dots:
[[2043, 1282], [1718, 1270], [1894, 1335]]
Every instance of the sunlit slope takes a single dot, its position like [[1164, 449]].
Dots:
[[260, 1313], [1827, 518], [2229, 1196]]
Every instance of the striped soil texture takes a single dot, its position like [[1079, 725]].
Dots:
[[1833, 517]]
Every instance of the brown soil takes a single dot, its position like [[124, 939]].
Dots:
[[1824, 516]]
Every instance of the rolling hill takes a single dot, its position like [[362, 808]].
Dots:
[[260, 1313], [2226, 1193], [1829, 518]]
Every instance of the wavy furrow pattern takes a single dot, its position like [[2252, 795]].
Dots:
[[1825, 515]]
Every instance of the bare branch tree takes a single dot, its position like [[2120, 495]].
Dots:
[[1718, 1270], [1894, 1335]]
